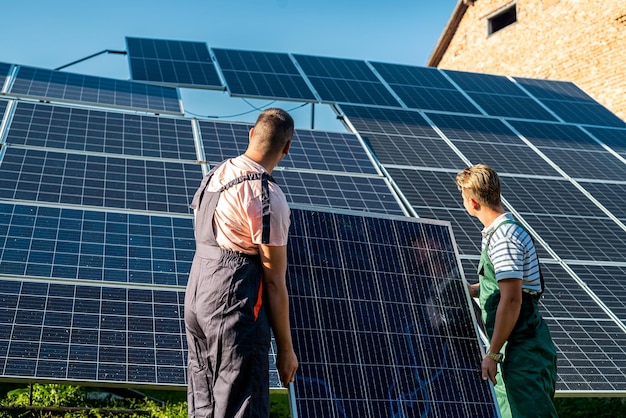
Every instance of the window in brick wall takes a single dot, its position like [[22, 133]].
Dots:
[[502, 19]]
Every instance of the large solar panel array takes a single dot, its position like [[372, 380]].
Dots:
[[97, 229]]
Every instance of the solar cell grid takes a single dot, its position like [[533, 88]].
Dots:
[[434, 99], [614, 138], [471, 128], [314, 150], [485, 83], [345, 80], [335, 68], [98, 180], [581, 238], [59, 243], [511, 106], [547, 196], [607, 283], [610, 195], [411, 151], [368, 194], [263, 74], [82, 129], [3, 107], [583, 164], [506, 158], [586, 113], [551, 89], [331, 90], [413, 76], [589, 355], [78, 88], [381, 349], [87, 333], [180, 63], [553, 135], [388, 121]]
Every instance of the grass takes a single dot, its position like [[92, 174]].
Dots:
[[175, 404]]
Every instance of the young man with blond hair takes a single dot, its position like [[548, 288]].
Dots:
[[509, 288], [237, 284]]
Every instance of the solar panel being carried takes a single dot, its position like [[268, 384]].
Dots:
[[381, 319], [174, 63]]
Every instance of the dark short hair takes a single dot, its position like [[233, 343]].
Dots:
[[273, 129]]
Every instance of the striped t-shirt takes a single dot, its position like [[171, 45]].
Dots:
[[512, 253]]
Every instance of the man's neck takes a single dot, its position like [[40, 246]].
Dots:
[[488, 215]]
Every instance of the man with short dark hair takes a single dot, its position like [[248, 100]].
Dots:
[[237, 285], [509, 288]]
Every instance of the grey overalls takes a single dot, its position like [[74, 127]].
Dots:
[[529, 366], [228, 334]]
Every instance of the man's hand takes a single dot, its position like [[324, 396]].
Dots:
[[489, 369], [473, 289], [287, 364]]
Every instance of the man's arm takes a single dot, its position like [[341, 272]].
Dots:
[[506, 317], [274, 261]]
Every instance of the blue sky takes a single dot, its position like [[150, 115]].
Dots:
[[50, 34]]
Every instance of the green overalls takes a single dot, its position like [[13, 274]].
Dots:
[[529, 366]]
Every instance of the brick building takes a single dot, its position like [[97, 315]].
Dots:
[[575, 40]]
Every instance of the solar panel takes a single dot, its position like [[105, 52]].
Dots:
[[614, 138], [75, 244], [97, 180], [42, 83], [343, 80], [310, 150], [176, 63], [424, 88], [84, 129], [361, 193], [610, 195], [388, 121], [570, 103], [499, 96], [81, 333], [381, 320], [262, 74]]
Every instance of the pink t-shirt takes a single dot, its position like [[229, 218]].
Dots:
[[238, 216]]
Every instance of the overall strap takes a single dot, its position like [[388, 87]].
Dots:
[[511, 221]]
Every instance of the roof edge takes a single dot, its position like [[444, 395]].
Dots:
[[448, 32]]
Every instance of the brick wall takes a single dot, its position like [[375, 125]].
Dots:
[[575, 40]]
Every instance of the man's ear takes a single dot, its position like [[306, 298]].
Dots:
[[286, 148], [251, 133], [474, 203]]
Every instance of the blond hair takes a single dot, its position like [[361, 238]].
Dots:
[[482, 183]]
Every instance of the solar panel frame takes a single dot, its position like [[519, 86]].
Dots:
[[62, 86], [5, 69]]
